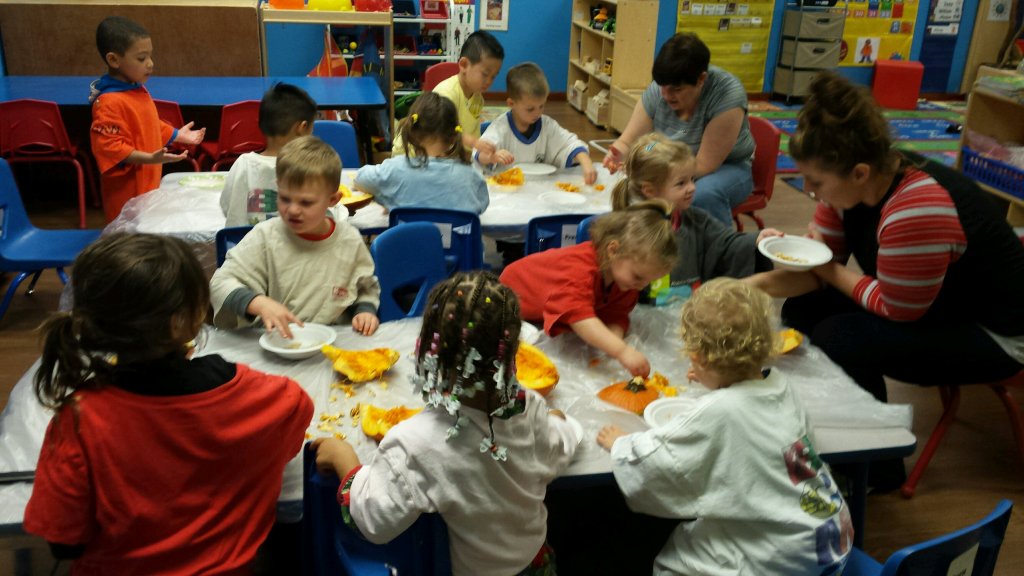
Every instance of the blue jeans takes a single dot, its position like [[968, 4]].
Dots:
[[724, 188]]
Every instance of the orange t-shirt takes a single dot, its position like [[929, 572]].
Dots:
[[123, 121]]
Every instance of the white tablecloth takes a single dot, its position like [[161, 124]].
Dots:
[[831, 398]]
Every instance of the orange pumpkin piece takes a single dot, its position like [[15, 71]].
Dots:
[[567, 187], [534, 369], [361, 365], [599, 187], [635, 394], [510, 177], [377, 421]]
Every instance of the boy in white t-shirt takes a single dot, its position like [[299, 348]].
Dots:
[[739, 468], [250, 190]]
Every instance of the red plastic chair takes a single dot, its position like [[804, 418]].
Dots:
[[766, 156], [33, 131], [437, 73], [950, 396], [170, 112], [239, 133]]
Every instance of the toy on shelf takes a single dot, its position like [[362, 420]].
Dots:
[[599, 19], [326, 5], [372, 5], [287, 4]]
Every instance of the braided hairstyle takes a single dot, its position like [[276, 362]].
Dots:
[[468, 344], [840, 126], [137, 297], [432, 117], [649, 161]]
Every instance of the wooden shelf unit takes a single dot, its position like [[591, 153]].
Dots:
[[630, 49], [991, 114]]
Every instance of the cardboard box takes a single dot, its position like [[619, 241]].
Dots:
[[577, 95], [597, 108]]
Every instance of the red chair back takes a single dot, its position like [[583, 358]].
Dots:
[[239, 133], [437, 73], [169, 112], [767, 138], [32, 128]]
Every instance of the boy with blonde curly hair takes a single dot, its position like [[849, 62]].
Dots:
[[739, 467]]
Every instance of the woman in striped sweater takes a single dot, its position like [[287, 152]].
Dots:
[[940, 299]]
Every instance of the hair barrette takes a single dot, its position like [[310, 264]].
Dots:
[[458, 129], [650, 146], [415, 118]]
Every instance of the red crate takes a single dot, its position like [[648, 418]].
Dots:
[[433, 9]]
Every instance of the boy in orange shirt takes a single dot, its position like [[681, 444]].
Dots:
[[128, 138]]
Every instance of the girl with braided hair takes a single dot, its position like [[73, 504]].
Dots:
[[481, 453]]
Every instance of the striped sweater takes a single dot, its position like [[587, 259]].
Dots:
[[934, 248]]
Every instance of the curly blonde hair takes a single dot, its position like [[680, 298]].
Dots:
[[730, 326]]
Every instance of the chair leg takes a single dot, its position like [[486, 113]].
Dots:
[[10, 292], [760, 222], [32, 284], [93, 182], [948, 415], [62, 275], [736, 220], [1013, 411], [81, 193]]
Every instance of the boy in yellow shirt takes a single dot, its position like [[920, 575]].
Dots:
[[479, 63]]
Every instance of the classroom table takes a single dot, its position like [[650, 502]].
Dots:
[[351, 93], [187, 205], [848, 424]]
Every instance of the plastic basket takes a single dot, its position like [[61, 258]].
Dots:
[[434, 9], [999, 175]]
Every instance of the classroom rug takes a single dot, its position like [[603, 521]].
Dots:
[[932, 131]]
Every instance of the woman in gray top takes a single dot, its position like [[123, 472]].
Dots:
[[705, 107]]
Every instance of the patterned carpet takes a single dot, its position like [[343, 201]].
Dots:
[[932, 131]]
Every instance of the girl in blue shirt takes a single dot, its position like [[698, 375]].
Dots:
[[435, 171]]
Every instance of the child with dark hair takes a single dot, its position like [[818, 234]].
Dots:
[[479, 63], [129, 141], [591, 288], [148, 464], [739, 468], [481, 453], [435, 170], [250, 189]]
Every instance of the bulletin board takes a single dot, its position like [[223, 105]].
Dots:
[[190, 37], [878, 29], [737, 33]]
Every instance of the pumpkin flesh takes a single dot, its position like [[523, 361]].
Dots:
[[377, 421], [361, 365], [534, 369], [635, 394]]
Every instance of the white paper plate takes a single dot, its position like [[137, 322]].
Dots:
[[306, 341], [577, 428], [214, 181], [562, 198], [537, 169], [664, 410], [795, 252]]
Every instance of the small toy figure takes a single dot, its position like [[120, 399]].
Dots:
[[599, 19]]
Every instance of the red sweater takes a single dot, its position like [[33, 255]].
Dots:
[[168, 484], [564, 285]]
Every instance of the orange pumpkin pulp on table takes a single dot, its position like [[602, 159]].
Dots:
[[534, 369], [377, 421], [635, 394], [361, 365], [510, 177]]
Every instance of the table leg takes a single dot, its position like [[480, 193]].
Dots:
[[857, 501]]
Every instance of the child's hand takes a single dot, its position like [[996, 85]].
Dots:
[[813, 233], [634, 361], [613, 159], [589, 174], [186, 135], [334, 456], [275, 315], [768, 233], [485, 147], [365, 323], [504, 157], [608, 435], [162, 156]]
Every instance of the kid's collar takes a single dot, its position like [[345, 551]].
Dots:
[[108, 83], [532, 133]]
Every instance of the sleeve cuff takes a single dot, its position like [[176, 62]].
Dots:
[[238, 301], [344, 499], [174, 134], [571, 160], [361, 307]]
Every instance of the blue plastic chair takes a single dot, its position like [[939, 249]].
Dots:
[[583, 231], [342, 137], [409, 261], [545, 232], [936, 556], [25, 249], [460, 234], [330, 547], [228, 238]]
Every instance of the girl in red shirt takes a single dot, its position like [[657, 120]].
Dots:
[[590, 288], [154, 463]]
